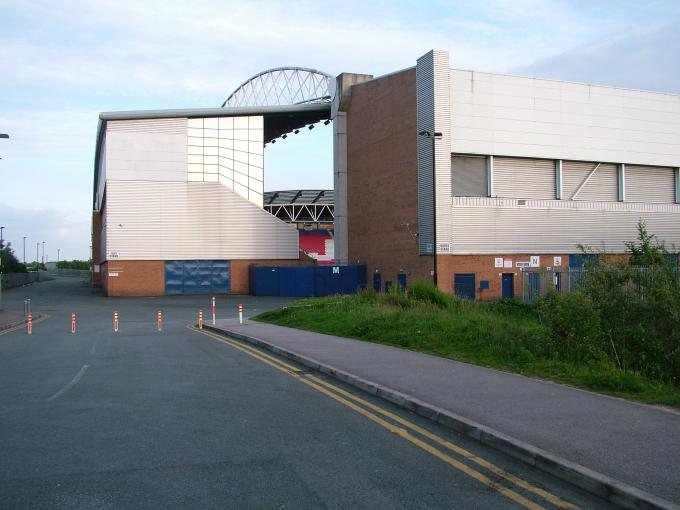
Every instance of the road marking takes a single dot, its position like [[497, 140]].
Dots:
[[339, 395], [71, 384], [23, 325]]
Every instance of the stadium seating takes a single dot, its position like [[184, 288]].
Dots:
[[318, 244]]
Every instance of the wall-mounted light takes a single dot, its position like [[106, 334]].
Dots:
[[284, 136], [326, 122], [296, 131], [311, 126]]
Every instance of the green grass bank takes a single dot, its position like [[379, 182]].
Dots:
[[506, 335]]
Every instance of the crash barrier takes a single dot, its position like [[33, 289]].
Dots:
[[306, 281]]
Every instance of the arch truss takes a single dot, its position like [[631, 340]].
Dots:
[[284, 86]]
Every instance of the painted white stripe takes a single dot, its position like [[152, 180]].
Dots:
[[72, 383]]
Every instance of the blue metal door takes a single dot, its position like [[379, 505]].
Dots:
[[377, 284], [401, 281], [508, 285], [197, 276], [464, 285]]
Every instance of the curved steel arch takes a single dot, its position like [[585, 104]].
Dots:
[[284, 86]]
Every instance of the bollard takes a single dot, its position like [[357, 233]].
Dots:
[[29, 324], [115, 321], [73, 322], [213, 309], [159, 321], [240, 313], [200, 319]]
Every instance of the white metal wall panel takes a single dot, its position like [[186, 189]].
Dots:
[[191, 220], [433, 114], [524, 178], [650, 184], [468, 176], [486, 226], [602, 185], [149, 150], [530, 117]]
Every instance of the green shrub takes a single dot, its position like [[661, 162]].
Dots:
[[425, 292]]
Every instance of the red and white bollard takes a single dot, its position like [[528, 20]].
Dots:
[[29, 323], [73, 322], [240, 313], [213, 309], [200, 319], [159, 321], [115, 321]]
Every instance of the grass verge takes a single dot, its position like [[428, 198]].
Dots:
[[503, 335]]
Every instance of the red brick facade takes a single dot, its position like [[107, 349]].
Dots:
[[382, 178]]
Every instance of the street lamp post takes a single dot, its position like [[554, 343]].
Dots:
[[43, 252], [433, 135], [24, 250]]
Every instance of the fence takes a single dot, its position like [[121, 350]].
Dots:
[[11, 280], [536, 283]]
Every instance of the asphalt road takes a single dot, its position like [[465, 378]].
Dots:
[[183, 419]]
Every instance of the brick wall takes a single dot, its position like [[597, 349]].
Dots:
[[382, 178], [134, 278], [484, 267]]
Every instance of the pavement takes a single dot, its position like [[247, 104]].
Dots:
[[180, 419], [10, 318], [627, 442]]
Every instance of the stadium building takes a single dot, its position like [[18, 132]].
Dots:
[[467, 176]]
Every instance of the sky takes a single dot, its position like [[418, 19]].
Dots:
[[62, 63]]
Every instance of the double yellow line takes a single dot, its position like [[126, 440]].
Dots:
[[407, 430]]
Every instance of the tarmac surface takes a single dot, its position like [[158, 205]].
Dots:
[[181, 419], [634, 443]]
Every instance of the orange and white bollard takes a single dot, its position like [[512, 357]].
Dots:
[[240, 313], [73, 322], [115, 321], [29, 323], [214, 309], [159, 321], [200, 319]]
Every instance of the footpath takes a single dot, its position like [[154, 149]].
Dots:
[[10, 319], [625, 452]]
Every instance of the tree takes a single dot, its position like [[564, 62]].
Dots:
[[9, 262]]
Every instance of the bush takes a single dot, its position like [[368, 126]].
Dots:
[[427, 293]]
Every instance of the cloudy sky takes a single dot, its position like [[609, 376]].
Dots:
[[61, 63]]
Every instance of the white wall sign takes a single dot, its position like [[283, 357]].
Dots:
[[336, 270], [498, 262], [522, 263], [557, 262], [113, 274], [535, 261], [507, 263]]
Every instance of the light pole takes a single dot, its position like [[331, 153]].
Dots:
[[43, 252], [58, 252], [4, 135], [24, 250], [433, 136], [1, 229], [1, 246]]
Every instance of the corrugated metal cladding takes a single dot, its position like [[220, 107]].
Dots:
[[601, 187], [468, 176], [149, 220], [177, 126], [650, 184], [433, 114], [425, 122], [523, 178], [487, 230]]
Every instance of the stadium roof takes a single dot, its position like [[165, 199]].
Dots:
[[299, 197]]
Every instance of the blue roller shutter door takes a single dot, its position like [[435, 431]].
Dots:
[[197, 276], [464, 285]]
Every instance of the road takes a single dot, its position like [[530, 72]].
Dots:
[[187, 419]]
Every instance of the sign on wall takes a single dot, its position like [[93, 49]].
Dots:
[[535, 261], [498, 262], [557, 261]]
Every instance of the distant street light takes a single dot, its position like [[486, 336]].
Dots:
[[43, 252], [4, 135], [24, 250], [1, 229]]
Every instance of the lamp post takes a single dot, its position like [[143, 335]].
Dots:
[[43, 252], [4, 135], [1, 246], [24, 250], [433, 135]]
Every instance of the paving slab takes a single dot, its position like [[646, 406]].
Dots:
[[634, 443]]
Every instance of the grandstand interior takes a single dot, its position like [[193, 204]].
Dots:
[[311, 212]]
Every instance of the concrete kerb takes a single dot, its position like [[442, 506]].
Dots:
[[609, 489]]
